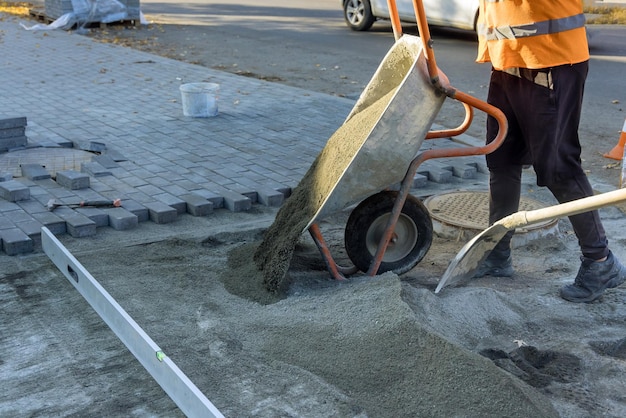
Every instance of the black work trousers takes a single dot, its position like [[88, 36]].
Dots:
[[543, 121]]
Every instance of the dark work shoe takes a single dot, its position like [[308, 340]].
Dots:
[[593, 278], [499, 264]]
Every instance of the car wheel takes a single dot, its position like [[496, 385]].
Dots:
[[358, 14], [412, 236]]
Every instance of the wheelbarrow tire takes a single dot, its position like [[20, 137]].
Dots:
[[410, 242]]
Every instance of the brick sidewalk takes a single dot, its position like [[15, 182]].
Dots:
[[114, 115]]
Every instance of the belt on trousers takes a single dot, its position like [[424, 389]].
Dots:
[[541, 77]]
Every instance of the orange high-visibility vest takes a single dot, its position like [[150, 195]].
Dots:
[[531, 34]]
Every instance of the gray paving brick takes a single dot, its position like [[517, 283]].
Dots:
[[115, 155], [105, 161], [15, 241], [6, 206], [72, 179], [435, 174], [77, 224], [95, 146], [95, 214], [94, 169], [136, 208], [34, 172], [32, 206], [14, 191], [464, 171], [55, 224], [6, 176], [18, 216], [269, 197], [197, 205], [213, 197], [17, 122], [419, 181], [6, 223], [120, 219], [12, 132], [236, 202], [12, 143], [160, 213], [32, 228], [177, 203]]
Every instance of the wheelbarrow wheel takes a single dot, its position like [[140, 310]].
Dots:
[[409, 243]]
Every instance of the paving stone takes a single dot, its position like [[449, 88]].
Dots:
[[12, 132], [436, 174], [137, 209], [269, 197], [160, 213], [94, 169], [105, 161], [6, 223], [77, 224], [177, 203], [464, 171], [95, 214], [34, 172], [55, 224], [32, 206], [6, 206], [215, 198], [9, 123], [115, 155], [14, 191], [120, 219], [16, 142], [32, 228], [15, 241], [72, 179], [197, 205], [236, 202], [285, 190], [247, 192], [93, 146], [6, 177], [419, 180]]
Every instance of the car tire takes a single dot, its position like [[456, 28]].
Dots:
[[358, 14], [412, 237]]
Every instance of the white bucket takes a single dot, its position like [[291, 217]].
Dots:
[[200, 99]]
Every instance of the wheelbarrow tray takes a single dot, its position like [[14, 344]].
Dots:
[[371, 151], [382, 134]]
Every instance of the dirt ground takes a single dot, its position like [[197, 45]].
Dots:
[[366, 347], [381, 346]]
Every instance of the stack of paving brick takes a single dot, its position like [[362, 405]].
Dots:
[[12, 133], [56, 8]]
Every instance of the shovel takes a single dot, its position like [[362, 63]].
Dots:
[[471, 256]]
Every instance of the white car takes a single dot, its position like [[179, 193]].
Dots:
[[360, 15]]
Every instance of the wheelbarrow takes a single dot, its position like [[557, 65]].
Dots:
[[375, 150]]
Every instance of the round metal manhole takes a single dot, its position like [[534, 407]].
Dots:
[[52, 159], [469, 211]]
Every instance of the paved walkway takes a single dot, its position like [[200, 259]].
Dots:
[[108, 121]]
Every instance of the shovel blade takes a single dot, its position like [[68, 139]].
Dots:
[[471, 256]]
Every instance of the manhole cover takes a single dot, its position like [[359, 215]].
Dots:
[[53, 159], [470, 211]]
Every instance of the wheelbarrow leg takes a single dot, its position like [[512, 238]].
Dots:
[[337, 272], [405, 188]]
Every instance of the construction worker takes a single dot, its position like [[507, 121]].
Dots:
[[539, 54]]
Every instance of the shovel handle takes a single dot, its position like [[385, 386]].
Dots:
[[564, 209]]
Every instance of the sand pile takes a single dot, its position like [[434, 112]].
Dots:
[[274, 254]]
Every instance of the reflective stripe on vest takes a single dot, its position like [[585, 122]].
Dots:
[[532, 29]]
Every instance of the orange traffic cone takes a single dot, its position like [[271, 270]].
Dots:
[[617, 153]]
